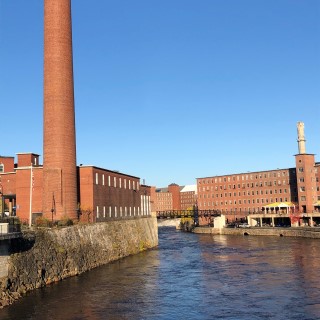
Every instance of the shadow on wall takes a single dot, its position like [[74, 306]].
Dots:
[[25, 243]]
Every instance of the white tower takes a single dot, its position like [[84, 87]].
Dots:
[[301, 138]]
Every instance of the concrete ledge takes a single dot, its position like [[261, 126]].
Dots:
[[282, 232]]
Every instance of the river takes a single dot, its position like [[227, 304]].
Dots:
[[190, 276]]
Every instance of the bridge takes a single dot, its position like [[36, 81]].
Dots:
[[193, 213]]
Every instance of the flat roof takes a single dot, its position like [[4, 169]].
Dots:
[[248, 172], [108, 170]]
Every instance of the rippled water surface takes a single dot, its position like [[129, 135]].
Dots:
[[191, 276]]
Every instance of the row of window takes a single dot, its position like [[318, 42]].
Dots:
[[246, 177], [122, 212], [125, 211], [245, 210], [242, 201], [245, 193], [301, 169], [164, 194], [248, 185], [117, 182]]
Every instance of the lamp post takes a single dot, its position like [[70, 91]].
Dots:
[[53, 207]]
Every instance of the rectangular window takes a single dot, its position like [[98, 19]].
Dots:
[[110, 211], [119, 182], [115, 182], [104, 211], [1, 168], [97, 178], [109, 181], [103, 179], [98, 212]]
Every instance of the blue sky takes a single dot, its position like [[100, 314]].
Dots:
[[171, 90]]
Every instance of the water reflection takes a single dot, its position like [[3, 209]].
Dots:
[[190, 277]]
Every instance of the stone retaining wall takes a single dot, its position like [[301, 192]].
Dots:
[[285, 232], [61, 253]]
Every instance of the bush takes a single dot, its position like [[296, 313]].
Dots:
[[65, 222], [43, 222]]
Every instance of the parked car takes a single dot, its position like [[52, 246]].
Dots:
[[243, 225]]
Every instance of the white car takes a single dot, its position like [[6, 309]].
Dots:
[[243, 225]]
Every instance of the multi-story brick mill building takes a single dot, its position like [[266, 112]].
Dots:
[[173, 197], [290, 190]]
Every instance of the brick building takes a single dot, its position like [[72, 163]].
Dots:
[[111, 194], [291, 190], [173, 197], [102, 194]]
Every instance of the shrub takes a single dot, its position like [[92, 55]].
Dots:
[[64, 222], [43, 222]]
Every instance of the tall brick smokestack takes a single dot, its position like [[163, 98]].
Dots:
[[59, 143]]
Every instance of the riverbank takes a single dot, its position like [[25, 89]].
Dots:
[[61, 253], [303, 232]]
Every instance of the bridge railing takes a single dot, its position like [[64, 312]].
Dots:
[[10, 225], [187, 214]]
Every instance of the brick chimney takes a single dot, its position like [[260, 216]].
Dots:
[[59, 143]]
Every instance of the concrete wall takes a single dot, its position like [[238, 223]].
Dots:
[[285, 232], [61, 253]]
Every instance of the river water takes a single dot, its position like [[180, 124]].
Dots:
[[190, 276]]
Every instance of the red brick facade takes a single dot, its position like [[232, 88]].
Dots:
[[247, 192], [174, 197], [307, 182], [59, 145], [102, 194], [188, 199], [109, 194], [6, 164], [240, 194]]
